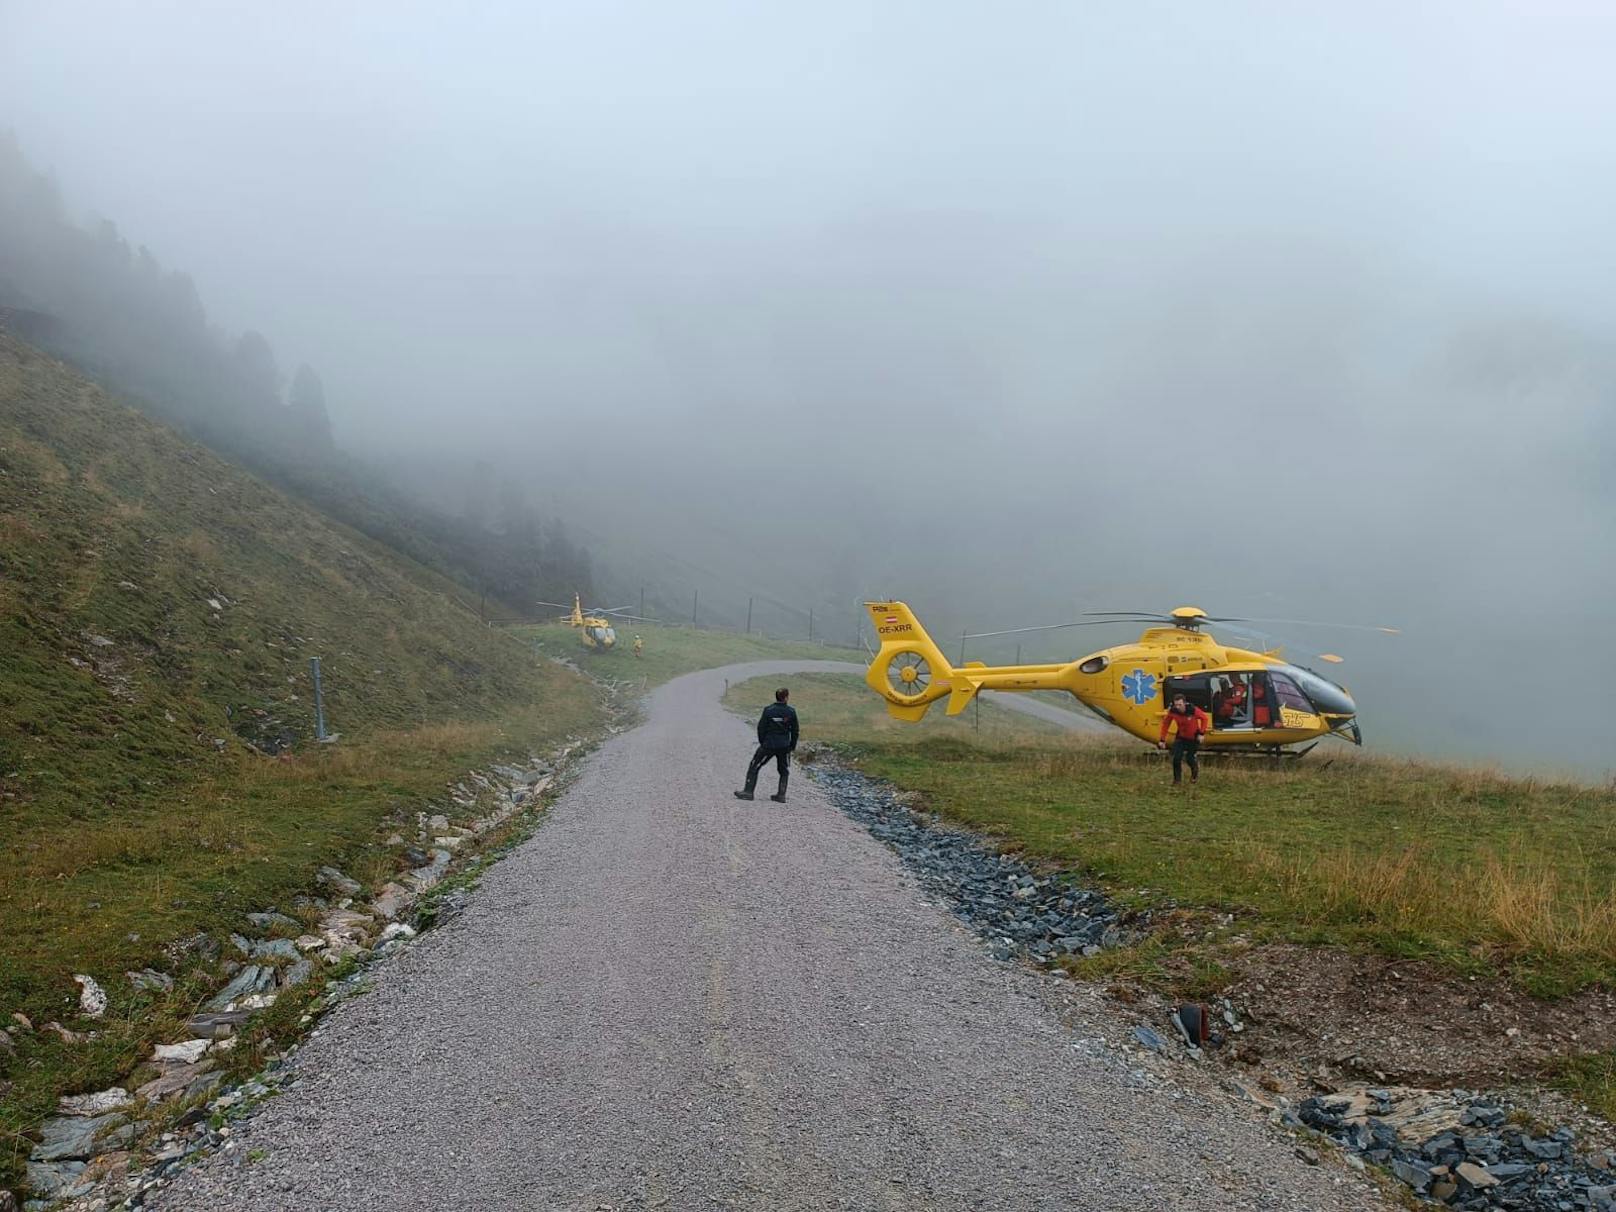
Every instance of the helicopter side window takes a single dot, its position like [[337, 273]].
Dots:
[[1289, 694]]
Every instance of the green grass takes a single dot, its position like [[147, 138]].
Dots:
[[670, 651], [136, 803], [839, 707], [1590, 1079], [1464, 867]]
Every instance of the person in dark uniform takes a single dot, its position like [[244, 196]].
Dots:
[[777, 737]]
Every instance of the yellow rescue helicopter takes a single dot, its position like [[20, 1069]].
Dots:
[[1258, 702], [594, 625]]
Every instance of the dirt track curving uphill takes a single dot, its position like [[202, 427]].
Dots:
[[671, 998]]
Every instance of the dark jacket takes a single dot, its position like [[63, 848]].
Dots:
[[777, 727]]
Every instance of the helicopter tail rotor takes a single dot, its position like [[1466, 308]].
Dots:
[[909, 671]]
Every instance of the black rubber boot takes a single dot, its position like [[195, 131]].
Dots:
[[743, 795], [779, 797]]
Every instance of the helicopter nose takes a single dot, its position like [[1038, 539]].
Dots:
[[1326, 697]]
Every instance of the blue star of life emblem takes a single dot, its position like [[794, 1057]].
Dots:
[[1139, 686]]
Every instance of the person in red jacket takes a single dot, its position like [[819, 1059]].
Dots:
[[1191, 724]]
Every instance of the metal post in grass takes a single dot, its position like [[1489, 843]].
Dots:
[[810, 624], [748, 616], [695, 603], [319, 700]]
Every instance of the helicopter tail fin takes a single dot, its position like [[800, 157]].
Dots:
[[909, 671]]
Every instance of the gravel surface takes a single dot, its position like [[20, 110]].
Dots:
[[1019, 911], [672, 998]]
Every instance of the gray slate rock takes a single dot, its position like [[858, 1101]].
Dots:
[[68, 1137], [337, 882], [149, 980], [251, 979], [275, 948], [55, 1180], [1150, 1039], [217, 1025]]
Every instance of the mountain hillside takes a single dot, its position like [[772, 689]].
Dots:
[[158, 609], [157, 600]]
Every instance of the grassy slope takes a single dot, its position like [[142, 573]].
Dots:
[[132, 811]]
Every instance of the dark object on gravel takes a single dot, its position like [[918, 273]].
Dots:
[[1193, 1024]]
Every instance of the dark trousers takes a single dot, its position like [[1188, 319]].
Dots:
[[1186, 751], [760, 759]]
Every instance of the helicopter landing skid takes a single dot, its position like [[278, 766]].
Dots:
[[1271, 752]]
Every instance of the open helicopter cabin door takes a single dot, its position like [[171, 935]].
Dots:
[[1236, 699]]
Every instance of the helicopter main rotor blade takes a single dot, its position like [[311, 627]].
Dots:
[[978, 635], [1315, 623]]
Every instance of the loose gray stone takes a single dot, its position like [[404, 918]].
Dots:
[[72, 1136], [337, 882], [273, 921], [54, 1180], [217, 1025], [251, 979], [173, 1081], [1416, 1176], [89, 1105], [275, 948], [187, 1053], [1150, 1039], [394, 899], [422, 878], [149, 980]]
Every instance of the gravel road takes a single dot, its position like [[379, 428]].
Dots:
[[671, 998]]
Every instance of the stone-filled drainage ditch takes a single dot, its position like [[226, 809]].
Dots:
[[1017, 910], [1454, 1148]]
